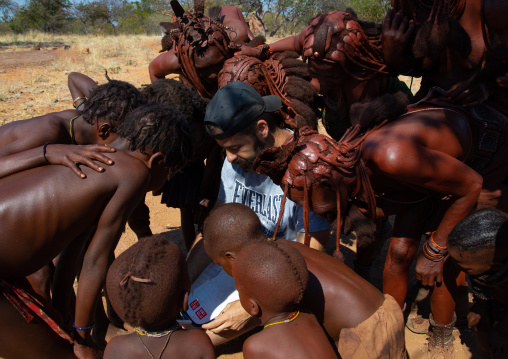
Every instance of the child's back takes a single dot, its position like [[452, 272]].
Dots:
[[188, 344], [55, 200], [301, 338]]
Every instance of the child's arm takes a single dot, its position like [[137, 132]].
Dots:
[[129, 192], [80, 86], [291, 43], [164, 64], [56, 154]]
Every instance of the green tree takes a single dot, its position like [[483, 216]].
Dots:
[[44, 15]]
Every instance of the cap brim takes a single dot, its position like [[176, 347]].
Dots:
[[272, 103]]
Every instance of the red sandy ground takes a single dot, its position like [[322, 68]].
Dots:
[[30, 86]]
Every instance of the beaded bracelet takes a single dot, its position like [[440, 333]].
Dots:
[[82, 102], [430, 255], [79, 328], [264, 52], [77, 99], [44, 152], [435, 245]]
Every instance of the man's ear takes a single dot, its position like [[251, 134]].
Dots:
[[262, 130], [156, 159], [254, 308], [104, 131]]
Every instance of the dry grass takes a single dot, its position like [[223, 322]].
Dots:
[[36, 81]]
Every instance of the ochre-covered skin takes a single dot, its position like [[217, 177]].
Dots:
[[196, 46]]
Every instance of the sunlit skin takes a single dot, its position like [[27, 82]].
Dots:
[[64, 210], [302, 337], [167, 63], [331, 286]]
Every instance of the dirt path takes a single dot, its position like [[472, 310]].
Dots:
[[34, 82]]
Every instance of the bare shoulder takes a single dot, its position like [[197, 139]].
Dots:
[[194, 343], [256, 347], [121, 346], [128, 168]]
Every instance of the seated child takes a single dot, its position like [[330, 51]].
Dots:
[[147, 286], [193, 190], [48, 209], [271, 281], [479, 246], [353, 312]]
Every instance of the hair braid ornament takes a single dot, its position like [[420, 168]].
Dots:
[[312, 161], [338, 37], [201, 45], [274, 77]]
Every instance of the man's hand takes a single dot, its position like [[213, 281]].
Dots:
[[83, 352], [233, 317], [73, 155], [427, 271], [395, 37]]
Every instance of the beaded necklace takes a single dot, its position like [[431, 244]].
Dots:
[[71, 129], [141, 332], [290, 319]]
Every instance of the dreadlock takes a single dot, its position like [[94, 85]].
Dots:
[[437, 28], [146, 283], [157, 127], [176, 94], [273, 274], [112, 102], [283, 75], [325, 41]]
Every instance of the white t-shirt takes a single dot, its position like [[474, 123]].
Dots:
[[214, 289]]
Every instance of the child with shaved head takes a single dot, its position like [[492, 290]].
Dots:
[[271, 281], [479, 246], [355, 315], [147, 286]]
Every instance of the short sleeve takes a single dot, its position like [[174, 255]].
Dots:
[[316, 222]]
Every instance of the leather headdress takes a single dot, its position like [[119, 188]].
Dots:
[[269, 78], [324, 40], [312, 160], [202, 46]]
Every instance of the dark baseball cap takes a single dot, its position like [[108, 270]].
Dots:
[[237, 105]]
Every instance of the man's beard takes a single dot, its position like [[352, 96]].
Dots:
[[247, 165]]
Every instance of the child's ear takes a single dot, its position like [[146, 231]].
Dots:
[[230, 255], [185, 304], [254, 308], [156, 159], [104, 131]]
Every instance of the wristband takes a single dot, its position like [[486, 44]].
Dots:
[[44, 152], [434, 257], [82, 102], [79, 328], [264, 52], [434, 244], [77, 99]]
